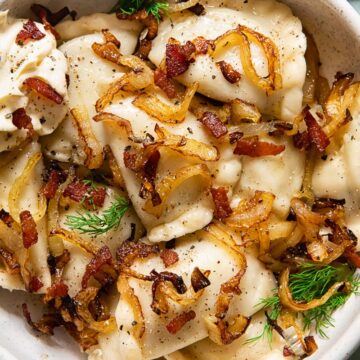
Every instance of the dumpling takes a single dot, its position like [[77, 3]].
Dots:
[[35, 61], [267, 17], [20, 186], [157, 341], [86, 86], [239, 349], [281, 175], [342, 166]]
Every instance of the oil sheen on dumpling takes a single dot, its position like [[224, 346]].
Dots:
[[197, 250], [27, 199], [239, 349], [342, 166], [89, 77], [267, 17], [40, 59]]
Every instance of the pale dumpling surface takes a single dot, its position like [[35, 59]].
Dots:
[[40, 59], [267, 17]]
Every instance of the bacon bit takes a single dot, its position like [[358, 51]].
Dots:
[[288, 352], [229, 73], [22, 120], [302, 141], [6, 218], [130, 159], [10, 262], [129, 251], [50, 188], [254, 148], [57, 290], [164, 83], [42, 13], [203, 46], [30, 32], [29, 230], [35, 284], [102, 257], [144, 49], [215, 126], [46, 325], [316, 133], [179, 322], [198, 280], [53, 18], [169, 257], [351, 255], [44, 89], [221, 201], [235, 137], [197, 9], [178, 58], [91, 197]]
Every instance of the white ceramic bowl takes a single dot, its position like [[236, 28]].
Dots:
[[336, 28]]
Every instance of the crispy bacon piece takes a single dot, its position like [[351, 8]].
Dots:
[[91, 197], [235, 136], [316, 134], [29, 230], [352, 256], [10, 262], [198, 280], [129, 251], [57, 264], [287, 351], [221, 201], [215, 126], [21, 119], [179, 322], [53, 18], [164, 83], [302, 141], [203, 46], [197, 9], [254, 148], [102, 257], [50, 188], [46, 325], [178, 58], [42, 14], [30, 32], [44, 89], [229, 73], [58, 290], [35, 284], [169, 257]]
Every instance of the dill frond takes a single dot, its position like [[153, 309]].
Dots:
[[154, 7], [312, 282], [94, 224]]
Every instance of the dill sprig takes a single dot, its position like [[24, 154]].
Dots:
[[154, 7], [94, 224], [310, 283]]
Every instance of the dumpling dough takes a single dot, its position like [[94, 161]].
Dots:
[[89, 75], [190, 208], [281, 175], [40, 59], [257, 283], [239, 349], [28, 200], [75, 269], [267, 17], [343, 168]]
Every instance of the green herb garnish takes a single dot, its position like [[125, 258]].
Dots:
[[132, 6], [310, 283], [93, 224]]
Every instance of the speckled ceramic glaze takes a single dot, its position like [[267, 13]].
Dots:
[[335, 26]]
